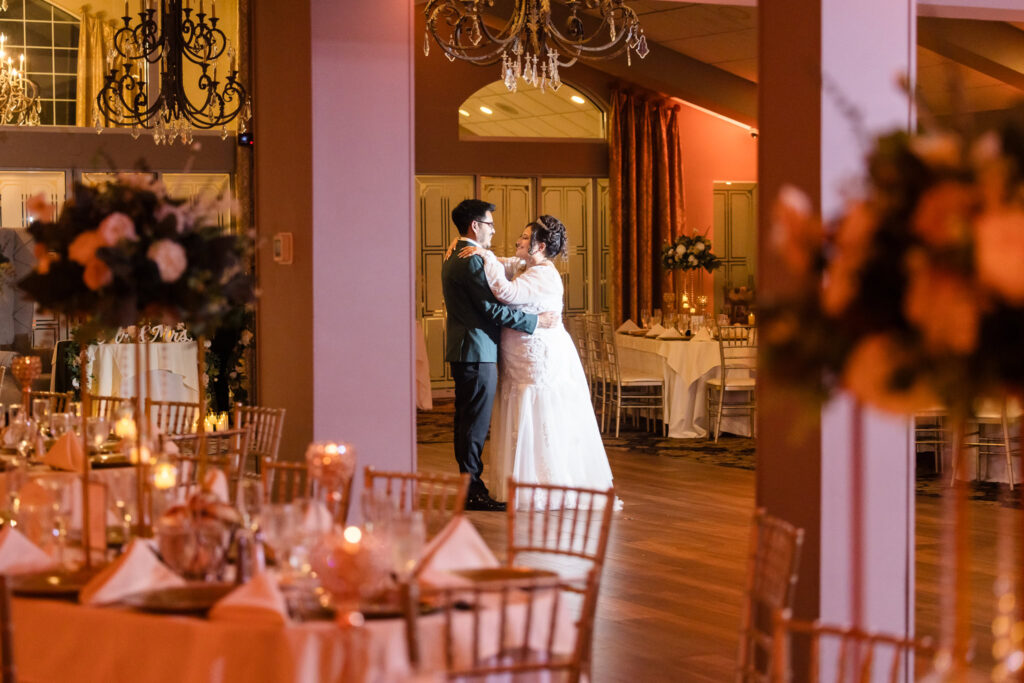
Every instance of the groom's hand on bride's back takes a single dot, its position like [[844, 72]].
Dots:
[[549, 319]]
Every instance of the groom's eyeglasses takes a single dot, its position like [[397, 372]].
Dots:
[[491, 223]]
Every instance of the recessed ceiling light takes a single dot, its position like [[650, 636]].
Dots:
[[577, 99], [728, 182], [463, 112], [486, 110]]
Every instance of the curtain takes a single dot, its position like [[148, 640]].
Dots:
[[645, 179], [95, 39]]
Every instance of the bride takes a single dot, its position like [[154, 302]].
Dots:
[[544, 429]]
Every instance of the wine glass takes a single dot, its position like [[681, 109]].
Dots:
[[98, 430], [645, 318], [656, 316], [16, 413], [60, 423], [41, 410], [250, 502], [407, 534]]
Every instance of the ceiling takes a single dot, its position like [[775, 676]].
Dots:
[[954, 55], [530, 113]]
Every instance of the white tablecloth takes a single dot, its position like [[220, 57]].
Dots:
[[686, 366], [173, 371]]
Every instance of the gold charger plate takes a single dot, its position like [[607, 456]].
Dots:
[[637, 333], [102, 460], [51, 584], [503, 573], [192, 598]]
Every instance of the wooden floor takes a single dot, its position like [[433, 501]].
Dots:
[[672, 587]]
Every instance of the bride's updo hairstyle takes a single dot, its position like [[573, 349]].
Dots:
[[548, 233]]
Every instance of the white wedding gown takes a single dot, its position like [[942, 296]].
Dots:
[[543, 428]]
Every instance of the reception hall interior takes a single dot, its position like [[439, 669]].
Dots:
[[229, 400]]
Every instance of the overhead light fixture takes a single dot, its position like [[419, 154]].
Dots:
[[577, 99], [159, 46], [463, 112], [528, 44], [486, 110], [19, 97]]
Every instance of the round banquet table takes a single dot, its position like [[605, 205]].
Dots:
[[686, 367], [173, 370]]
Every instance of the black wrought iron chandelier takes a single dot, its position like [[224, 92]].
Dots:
[[529, 45], [160, 46]]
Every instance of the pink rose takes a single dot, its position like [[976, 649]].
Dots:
[[39, 207], [943, 306], [943, 214], [869, 372], [999, 252], [83, 248], [169, 257], [116, 227], [97, 274]]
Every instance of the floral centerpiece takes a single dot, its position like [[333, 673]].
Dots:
[[916, 298], [689, 253], [123, 252]]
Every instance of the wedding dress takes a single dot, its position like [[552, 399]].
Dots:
[[543, 428]]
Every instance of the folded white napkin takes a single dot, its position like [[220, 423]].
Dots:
[[318, 519], [702, 334], [66, 454], [258, 601], [671, 333], [137, 570], [216, 482], [18, 555], [457, 546], [627, 326], [655, 331]]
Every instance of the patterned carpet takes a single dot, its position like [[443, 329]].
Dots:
[[435, 426]]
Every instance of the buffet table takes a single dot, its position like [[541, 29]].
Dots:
[[686, 367], [173, 370]]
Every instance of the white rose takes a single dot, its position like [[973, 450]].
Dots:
[[170, 259], [692, 260], [245, 337], [680, 250], [698, 247]]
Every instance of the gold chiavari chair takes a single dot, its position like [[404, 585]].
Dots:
[[990, 430], [515, 627], [109, 407], [3, 374], [283, 482], [858, 655], [173, 417], [266, 424], [58, 400], [8, 672], [595, 361], [440, 497], [227, 450], [628, 390], [737, 350], [771, 582]]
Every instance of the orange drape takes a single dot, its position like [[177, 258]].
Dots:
[[646, 186]]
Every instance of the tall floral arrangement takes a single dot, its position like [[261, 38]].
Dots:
[[915, 297], [124, 252], [688, 252]]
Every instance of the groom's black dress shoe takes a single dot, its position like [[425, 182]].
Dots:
[[482, 501]]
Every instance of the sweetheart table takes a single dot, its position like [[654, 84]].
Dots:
[[173, 371], [686, 367]]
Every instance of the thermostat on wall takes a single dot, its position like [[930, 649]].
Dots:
[[283, 248]]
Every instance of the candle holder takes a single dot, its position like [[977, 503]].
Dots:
[[26, 369]]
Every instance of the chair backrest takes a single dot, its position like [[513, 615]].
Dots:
[[267, 425], [517, 626], [843, 653], [609, 353], [227, 450], [3, 373], [284, 481], [737, 348], [58, 400], [773, 567], [595, 348], [173, 417], [7, 669], [438, 496], [108, 407]]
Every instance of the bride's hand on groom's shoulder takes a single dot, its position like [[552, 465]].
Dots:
[[451, 248], [466, 252]]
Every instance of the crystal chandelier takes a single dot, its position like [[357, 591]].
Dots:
[[19, 97], [160, 45], [529, 45]]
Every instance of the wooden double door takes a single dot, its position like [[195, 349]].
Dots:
[[580, 203]]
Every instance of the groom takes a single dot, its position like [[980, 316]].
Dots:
[[475, 319]]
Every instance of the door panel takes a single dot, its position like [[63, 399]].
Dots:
[[571, 200], [514, 200]]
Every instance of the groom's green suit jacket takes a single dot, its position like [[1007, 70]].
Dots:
[[475, 317]]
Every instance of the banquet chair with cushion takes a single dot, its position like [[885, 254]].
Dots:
[[266, 424], [512, 629], [226, 450], [840, 653], [173, 417], [771, 582], [109, 407], [58, 400], [284, 482], [440, 497], [626, 389], [737, 351]]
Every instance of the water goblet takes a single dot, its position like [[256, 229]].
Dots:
[[645, 318], [60, 424], [407, 535], [41, 410], [98, 430], [656, 316], [250, 501]]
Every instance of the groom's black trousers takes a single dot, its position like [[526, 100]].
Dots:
[[475, 384]]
